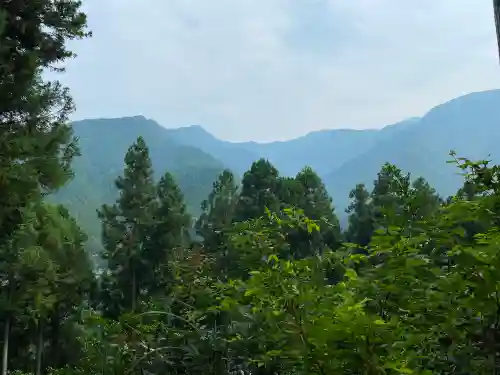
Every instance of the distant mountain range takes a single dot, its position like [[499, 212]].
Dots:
[[469, 125]]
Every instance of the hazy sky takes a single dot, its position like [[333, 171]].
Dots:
[[277, 69]]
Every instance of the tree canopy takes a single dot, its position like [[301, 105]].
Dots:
[[265, 281]]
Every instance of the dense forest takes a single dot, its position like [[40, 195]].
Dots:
[[263, 282]]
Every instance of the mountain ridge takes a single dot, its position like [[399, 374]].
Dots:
[[419, 145], [469, 124]]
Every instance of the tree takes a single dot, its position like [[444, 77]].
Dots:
[[36, 141], [127, 228], [46, 283], [218, 209], [317, 205], [38, 273], [360, 212], [73, 289], [169, 231], [259, 189], [430, 307], [426, 201], [469, 192], [496, 11], [218, 212], [400, 203], [304, 325], [290, 192], [387, 205]]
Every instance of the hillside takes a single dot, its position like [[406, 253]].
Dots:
[[342, 157], [103, 143], [345, 157], [322, 150], [234, 155], [468, 124]]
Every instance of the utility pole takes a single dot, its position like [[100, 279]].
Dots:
[[496, 11]]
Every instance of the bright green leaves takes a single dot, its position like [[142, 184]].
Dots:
[[422, 300], [306, 325]]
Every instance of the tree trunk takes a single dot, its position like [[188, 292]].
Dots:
[[39, 349], [496, 11], [5, 351], [55, 352], [134, 291], [6, 328]]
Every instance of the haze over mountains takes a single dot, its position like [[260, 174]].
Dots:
[[345, 157], [342, 157]]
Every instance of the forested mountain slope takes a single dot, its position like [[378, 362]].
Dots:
[[233, 155], [468, 125], [272, 285], [322, 150], [103, 143], [345, 157], [342, 157]]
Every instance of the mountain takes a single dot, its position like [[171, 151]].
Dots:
[[469, 125], [322, 150], [103, 144], [235, 156]]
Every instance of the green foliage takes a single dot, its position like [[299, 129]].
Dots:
[[127, 228], [420, 299], [103, 142], [41, 288], [218, 209], [269, 294], [46, 276], [216, 220], [397, 202], [169, 232], [269, 288], [361, 220], [35, 138], [317, 205], [259, 189]]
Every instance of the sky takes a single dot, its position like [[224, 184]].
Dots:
[[277, 69]]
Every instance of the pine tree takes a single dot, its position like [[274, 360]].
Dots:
[[400, 203], [290, 192], [317, 205], [49, 280], [360, 212], [36, 143], [127, 228], [389, 188], [306, 192], [73, 290], [218, 209], [426, 200], [218, 212], [169, 231], [468, 191], [259, 190]]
